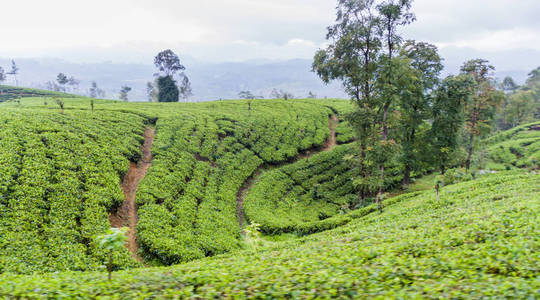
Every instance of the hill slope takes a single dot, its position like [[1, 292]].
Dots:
[[479, 240], [12, 93], [186, 204]]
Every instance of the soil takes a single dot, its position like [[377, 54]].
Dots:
[[126, 215], [330, 143]]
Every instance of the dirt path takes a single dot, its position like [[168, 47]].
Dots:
[[127, 213], [330, 143]]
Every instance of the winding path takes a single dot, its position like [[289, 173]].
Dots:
[[330, 143], [126, 214]]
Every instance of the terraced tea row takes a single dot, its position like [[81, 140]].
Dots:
[[60, 177], [186, 203], [478, 241]]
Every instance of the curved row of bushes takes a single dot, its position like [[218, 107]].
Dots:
[[187, 201], [60, 176]]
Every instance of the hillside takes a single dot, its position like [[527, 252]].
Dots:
[[186, 204], [187, 178], [480, 240], [515, 148], [12, 93]]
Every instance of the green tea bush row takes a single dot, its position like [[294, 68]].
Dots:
[[478, 241], [60, 179]]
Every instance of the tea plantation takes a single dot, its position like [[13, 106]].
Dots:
[[12, 93], [479, 241], [518, 147], [218, 166], [62, 173]]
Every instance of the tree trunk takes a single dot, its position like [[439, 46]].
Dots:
[[406, 176], [470, 151]]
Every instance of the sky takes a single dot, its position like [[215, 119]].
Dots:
[[507, 32]]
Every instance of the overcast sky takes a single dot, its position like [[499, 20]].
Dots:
[[133, 31]]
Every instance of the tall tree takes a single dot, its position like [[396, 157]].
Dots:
[[74, 83], [151, 92], [246, 95], [124, 92], [509, 85], [168, 65], [62, 80], [185, 90], [2, 75], [520, 108], [448, 118], [95, 91], [481, 109], [14, 71], [533, 84], [362, 54], [416, 103], [167, 89]]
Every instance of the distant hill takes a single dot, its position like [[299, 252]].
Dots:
[[210, 81]]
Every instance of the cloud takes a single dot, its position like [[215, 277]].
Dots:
[[225, 30]]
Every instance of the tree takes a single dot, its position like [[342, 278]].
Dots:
[[481, 109], [520, 108], [185, 89], [364, 42], [113, 241], [62, 80], [281, 94], [168, 65], [448, 118], [124, 92], [246, 95], [74, 83], [533, 84], [2, 75], [167, 89], [168, 62], [151, 92], [415, 104], [14, 71], [509, 85], [95, 91], [311, 95], [60, 104]]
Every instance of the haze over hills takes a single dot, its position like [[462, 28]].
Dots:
[[210, 80]]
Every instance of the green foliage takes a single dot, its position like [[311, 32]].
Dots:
[[12, 93], [481, 108], [478, 241], [448, 118], [455, 175], [518, 147], [202, 156], [60, 176], [253, 236], [301, 197], [167, 89], [113, 241]]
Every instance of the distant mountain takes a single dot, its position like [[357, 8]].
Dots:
[[209, 81]]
